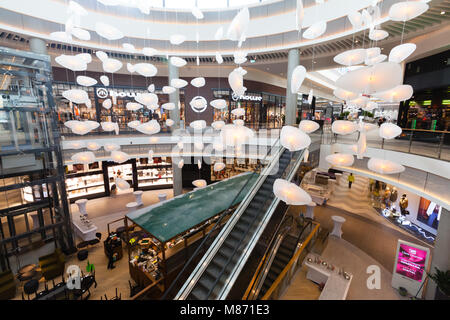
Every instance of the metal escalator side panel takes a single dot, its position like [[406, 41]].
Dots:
[[254, 239], [213, 249]]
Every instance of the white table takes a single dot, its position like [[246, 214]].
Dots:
[[82, 206], [138, 196], [310, 210], [84, 231], [336, 286], [132, 206], [337, 229], [162, 197]]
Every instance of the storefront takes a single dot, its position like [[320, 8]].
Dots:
[[262, 110], [98, 179]]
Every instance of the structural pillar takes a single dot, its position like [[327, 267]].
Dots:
[[175, 96], [38, 46], [291, 98], [177, 179], [441, 252]]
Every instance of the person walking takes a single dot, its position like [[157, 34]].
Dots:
[[351, 179]]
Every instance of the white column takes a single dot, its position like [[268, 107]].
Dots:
[[177, 180], [291, 98], [38, 46], [174, 97], [441, 252]]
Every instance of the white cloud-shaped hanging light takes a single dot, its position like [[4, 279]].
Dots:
[[130, 68], [368, 80], [147, 99], [219, 166], [373, 52], [218, 125], [108, 31], [199, 183], [361, 145], [375, 60], [370, 106], [297, 78], [170, 122], [107, 104], [111, 65], [119, 156], [134, 124], [151, 88], [86, 81], [237, 29], [121, 184], [178, 83], [359, 102], [344, 94], [145, 69], [308, 126], [239, 122], [238, 112], [198, 82], [316, 30], [168, 89], [86, 157], [81, 34], [178, 62], [85, 56], [104, 80], [74, 63], [365, 126], [344, 127], [294, 139], [150, 127], [384, 166], [77, 9], [177, 39], [396, 94], [76, 96], [197, 13], [61, 36], [377, 34], [133, 106], [236, 82], [218, 103], [198, 124], [101, 55], [198, 104], [111, 147], [290, 193], [389, 131], [168, 106], [235, 135], [407, 10], [199, 164], [75, 145], [153, 107], [93, 146], [340, 159], [401, 52], [110, 126], [355, 19], [181, 164], [149, 52], [351, 57], [219, 58]]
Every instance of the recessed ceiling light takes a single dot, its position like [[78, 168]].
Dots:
[[267, 68], [442, 12]]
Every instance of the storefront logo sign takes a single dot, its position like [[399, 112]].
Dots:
[[235, 97], [103, 93]]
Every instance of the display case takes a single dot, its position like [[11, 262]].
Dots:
[[85, 185], [154, 173]]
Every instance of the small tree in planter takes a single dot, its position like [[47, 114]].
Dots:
[[442, 280]]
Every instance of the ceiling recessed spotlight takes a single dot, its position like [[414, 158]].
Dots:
[[267, 68], [442, 12]]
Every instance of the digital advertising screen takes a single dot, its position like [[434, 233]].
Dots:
[[411, 262]]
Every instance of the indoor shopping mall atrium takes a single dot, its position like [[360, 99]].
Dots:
[[254, 151]]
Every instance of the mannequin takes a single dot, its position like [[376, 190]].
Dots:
[[394, 195], [404, 205]]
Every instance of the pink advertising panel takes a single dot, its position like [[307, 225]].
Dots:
[[411, 262]]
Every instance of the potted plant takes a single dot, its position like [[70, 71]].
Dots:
[[442, 280]]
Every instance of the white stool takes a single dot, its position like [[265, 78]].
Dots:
[[132, 206], [338, 221], [162, 197], [82, 206], [310, 210], [35, 218], [138, 196], [338, 177]]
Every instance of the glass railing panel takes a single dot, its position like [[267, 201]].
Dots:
[[426, 143]]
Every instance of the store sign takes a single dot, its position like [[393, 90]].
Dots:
[[104, 93], [235, 97]]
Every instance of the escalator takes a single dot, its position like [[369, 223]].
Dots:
[[220, 266]]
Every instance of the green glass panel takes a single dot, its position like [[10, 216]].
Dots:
[[171, 218]]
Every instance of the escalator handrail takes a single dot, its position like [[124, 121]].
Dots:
[[225, 213], [255, 237], [207, 257], [272, 250]]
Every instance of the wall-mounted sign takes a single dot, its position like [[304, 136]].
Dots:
[[104, 93], [235, 97]]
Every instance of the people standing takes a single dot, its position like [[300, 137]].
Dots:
[[351, 179]]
